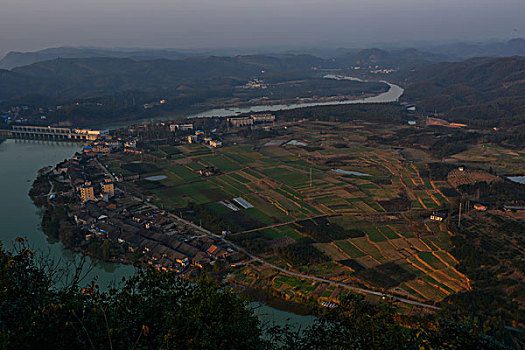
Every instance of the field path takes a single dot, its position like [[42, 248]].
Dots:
[[275, 267], [300, 275]]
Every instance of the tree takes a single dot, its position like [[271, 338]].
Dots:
[[357, 324], [42, 308], [152, 310]]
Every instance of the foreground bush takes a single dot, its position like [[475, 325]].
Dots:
[[43, 308]]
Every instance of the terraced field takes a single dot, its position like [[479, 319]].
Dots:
[[367, 220]]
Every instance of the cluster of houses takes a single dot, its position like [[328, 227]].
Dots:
[[200, 137], [25, 114], [154, 104], [208, 171], [103, 212], [152, 234], [255, 83], [73, 172], [164, 242], [100, 146]]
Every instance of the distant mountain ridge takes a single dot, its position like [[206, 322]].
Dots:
[[18, 59], [513, 47], [412, 56], [483, 89], [403, 59]]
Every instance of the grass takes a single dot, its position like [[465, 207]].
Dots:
[[260, 216], [388, 232], [430, 259], [170, 150], [374, 234], [286, 176], [184, 173], [239, 178], [290, 232], [272, 233], [368, 248], [170, 198], [277, 182], [221, 163], [349, 249]]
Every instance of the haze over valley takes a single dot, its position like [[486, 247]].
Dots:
[[262, 175]]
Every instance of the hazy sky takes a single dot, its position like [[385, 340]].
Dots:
[[36, 24]]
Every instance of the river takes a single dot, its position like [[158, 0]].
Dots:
[[392, 95], [20, 161]]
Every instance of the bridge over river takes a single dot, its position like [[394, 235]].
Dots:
[[53, 133]]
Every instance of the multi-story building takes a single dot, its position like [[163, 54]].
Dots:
[[181, 127], [87, 192], [263, 118], [130, 143], [101, 148], [192, 139], [240, 121], [108, 188]]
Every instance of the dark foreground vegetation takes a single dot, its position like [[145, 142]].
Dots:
[[43, 307]]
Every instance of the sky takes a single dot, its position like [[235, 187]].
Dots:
[[27, 25]]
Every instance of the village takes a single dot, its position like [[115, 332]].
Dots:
[[102, 211], [302, 211]]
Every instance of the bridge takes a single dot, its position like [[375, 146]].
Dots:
[[54, 133]]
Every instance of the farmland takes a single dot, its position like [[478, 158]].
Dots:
[[330, 205]]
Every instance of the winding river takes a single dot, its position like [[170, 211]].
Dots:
[[20, 161], [392, 95]]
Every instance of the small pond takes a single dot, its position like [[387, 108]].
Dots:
[[156, 178], [349, 172]]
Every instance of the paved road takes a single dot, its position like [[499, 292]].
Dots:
[[280, 269], [289, 223], [108, 173], [50, 191], [291, 273]]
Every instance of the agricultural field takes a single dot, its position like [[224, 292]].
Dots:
[[330, 205]]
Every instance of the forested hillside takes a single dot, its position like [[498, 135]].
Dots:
[[62, 79], [478, 91]]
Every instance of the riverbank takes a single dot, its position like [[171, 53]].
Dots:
[[268, 298], [111, 267], [21, 218], [54, 224], [392, 95], [49, 193], [206, 110]]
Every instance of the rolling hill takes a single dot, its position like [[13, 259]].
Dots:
[[15, 59], [484, 91], [68, 78]]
